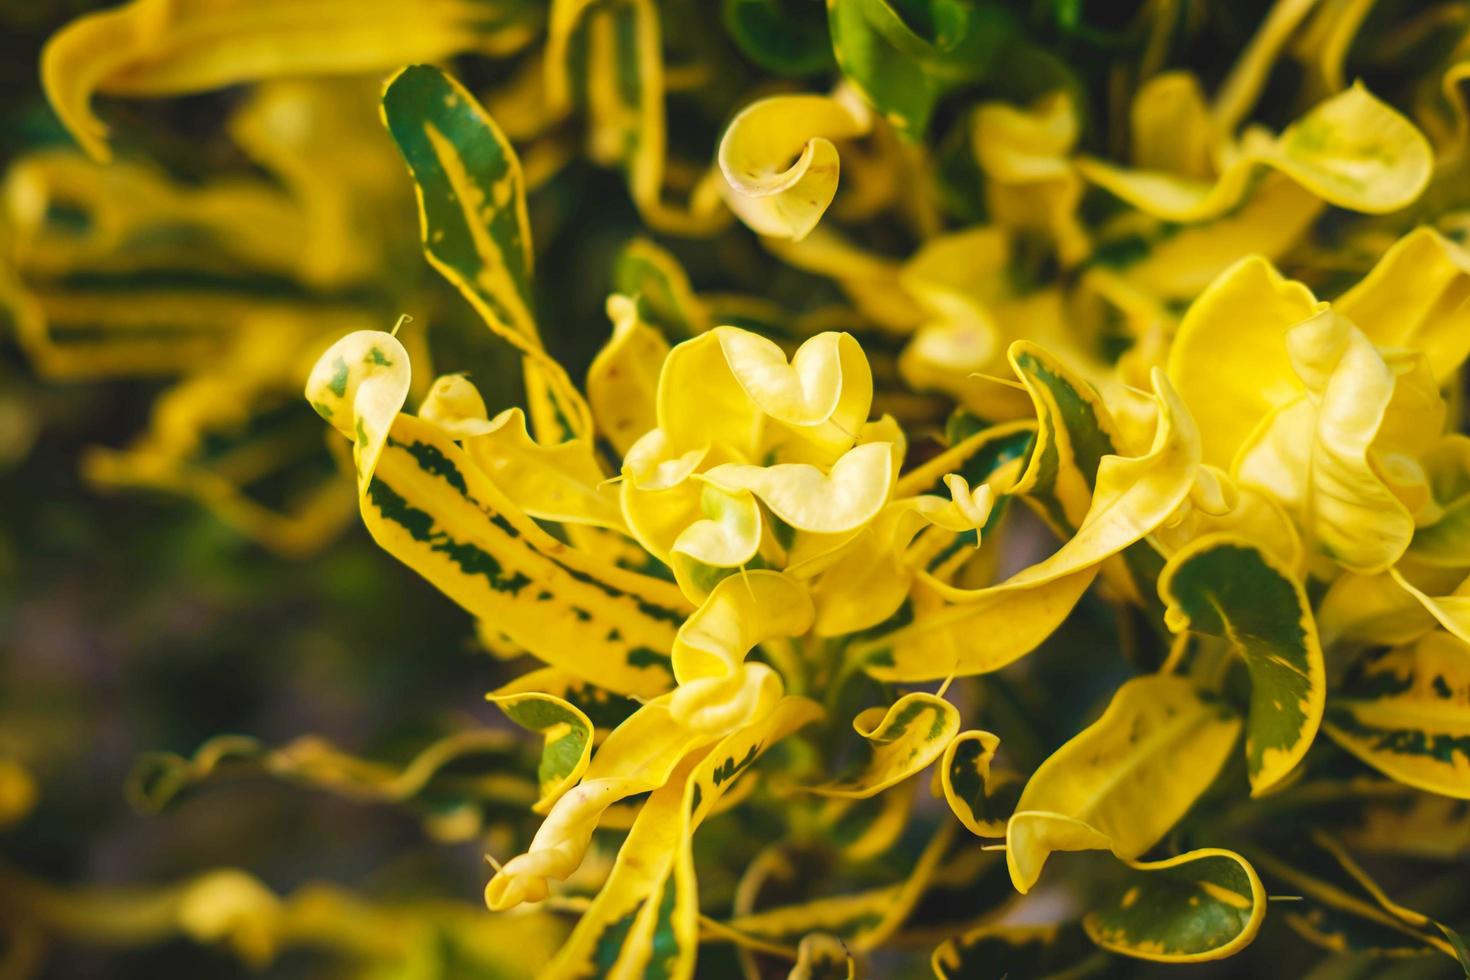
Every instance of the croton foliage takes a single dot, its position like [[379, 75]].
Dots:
[[1003, 430]]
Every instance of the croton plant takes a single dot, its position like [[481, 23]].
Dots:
[[980, 490]]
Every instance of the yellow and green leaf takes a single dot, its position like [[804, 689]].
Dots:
[[1406, 713], [901, 740], [1202, 905], [429, 506], [983, 800], [990, 950], [1343, 909], [1229, 588], [904, 57], [566, 734], [472, 214], [646, 915]]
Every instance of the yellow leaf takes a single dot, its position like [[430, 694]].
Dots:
[[1228, 359], [768, 191], [165, 47], [1124, 781], [843, 499], [622, 383], [358, 385], [1351, 150]]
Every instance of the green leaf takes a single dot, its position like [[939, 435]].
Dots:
[[1203, 905], [1230, 588], [785, 37], [906, 54], [656, 280], [472, 195]]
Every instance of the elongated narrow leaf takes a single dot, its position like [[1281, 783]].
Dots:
[[640, 756], [1228, 587], [1343, 909], [823, 957], [472, 215], [1203, 905], [990, 951], [865, 919], [429, 506], [609, 58], [160, 47], [158, 777], [646, 915]]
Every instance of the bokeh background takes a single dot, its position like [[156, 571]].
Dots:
[[134, 621]]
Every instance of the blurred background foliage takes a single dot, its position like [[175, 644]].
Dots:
[[139, 621]]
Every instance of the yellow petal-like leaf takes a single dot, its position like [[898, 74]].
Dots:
[[559, 482], [1229, 359], [823, 394], [1418, 295], [1313, 453], [843, 499], [1124, 781], [772, 194], [358, 385], [622, 383]]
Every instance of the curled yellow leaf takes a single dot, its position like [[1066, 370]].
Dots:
[[771, 194], [843, 499], [1351, 150], [358, 385]]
